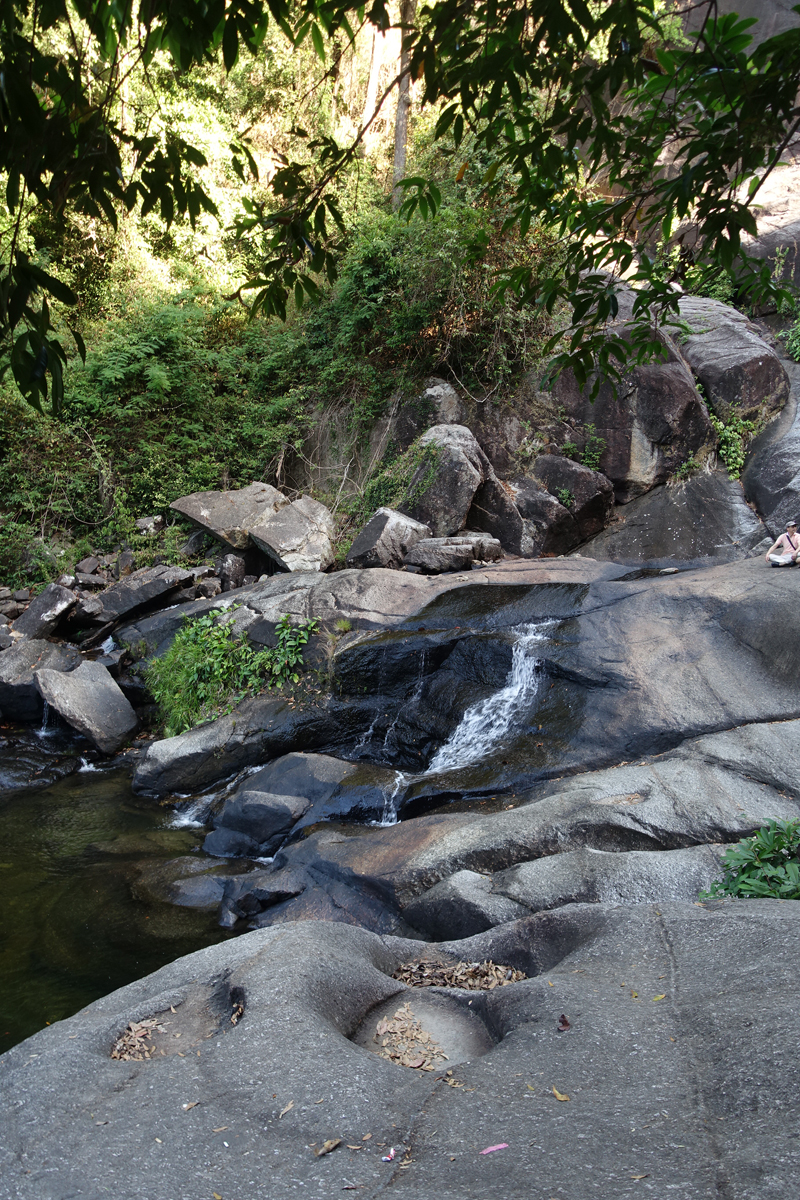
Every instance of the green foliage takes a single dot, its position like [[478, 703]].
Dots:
[[765, 864], [733, 437], [404, 480], [208, 668], [565, 497], [687, 468], [593, 449], [791, 338]]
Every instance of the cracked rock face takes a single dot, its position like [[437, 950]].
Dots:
[[656, 1076]]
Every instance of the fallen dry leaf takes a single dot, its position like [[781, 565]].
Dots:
[[559, 1095], [482, 976], [191, 1104], [663, 996], [563, 1024], [403, 1040], [349, 1147], [221, 1129], [366, 1137], [216, 1196], [326, 1147], [530, 1089], [640, 1176], [284, 1111]]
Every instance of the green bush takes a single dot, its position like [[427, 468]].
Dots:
[[208, 668], [733, 435], [565, 497], [593, 449], [763, 865]]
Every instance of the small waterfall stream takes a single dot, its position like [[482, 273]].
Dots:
[[486, 723]]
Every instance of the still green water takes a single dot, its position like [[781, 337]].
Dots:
[[71, 925]]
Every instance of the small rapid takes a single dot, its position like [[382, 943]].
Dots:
[[489, 721]]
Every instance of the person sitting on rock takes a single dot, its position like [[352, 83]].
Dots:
[[786, 550]]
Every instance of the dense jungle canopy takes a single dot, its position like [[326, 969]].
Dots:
[[219, 217]]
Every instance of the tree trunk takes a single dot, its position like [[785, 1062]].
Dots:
[[408, 11], [375, 64]]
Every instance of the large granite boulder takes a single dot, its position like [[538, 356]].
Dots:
[[45, 611], [588, 495], [90, 701], [680, 1017], [771, 477], [741, 375], [654, 421], [20, 699], [451, 470], [705, 517], [386, 539], [229, 516], [298, 537], [549, 526], [437, 404], [435, 555]]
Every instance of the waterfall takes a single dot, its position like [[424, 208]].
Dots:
[[487, 722], [45, 729], [390, 794]]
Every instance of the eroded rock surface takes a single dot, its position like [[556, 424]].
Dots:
[[20, 699], [656, 1074], [298, 536], [386, 539], [229, 516], [90, 701]]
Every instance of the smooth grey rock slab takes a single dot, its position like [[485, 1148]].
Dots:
[[740, 373], [298, 536], [670, 1089], [141, 588], [385, 540], [460, 906], [228, 516], [20, 699], [45, 611], [705, 517], [89, 700], [589, 875]]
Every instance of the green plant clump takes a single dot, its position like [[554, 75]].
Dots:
[[593, 449], [733, 438], [208, 668], [763, 865], [687, 468], [565, 497]]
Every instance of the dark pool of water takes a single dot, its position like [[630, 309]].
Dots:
[[71, 926]]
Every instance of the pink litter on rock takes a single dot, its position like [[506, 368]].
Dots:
[[491, 1149], [388, 1157]]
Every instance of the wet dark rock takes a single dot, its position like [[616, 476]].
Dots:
[[188, 882], [194, 544], [309, 988], [739, 372], [6, 639], [19, 698], [588, 495], [298, 537], [493, 510], [385, 540], [705, 517], [229, 843], [87, 611], [141, 589], [90, 701], [229, 516], [44, 612], [297, 790]]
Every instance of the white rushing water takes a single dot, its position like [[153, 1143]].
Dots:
[[487, 722]]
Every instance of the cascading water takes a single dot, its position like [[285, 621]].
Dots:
[[487, 722]]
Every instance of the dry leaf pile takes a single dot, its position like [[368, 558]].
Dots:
[[476, 976], [403, 1040], [135, 1043]]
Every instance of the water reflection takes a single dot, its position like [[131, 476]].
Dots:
[[72, 929]]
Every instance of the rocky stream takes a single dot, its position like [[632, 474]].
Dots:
[[432, 926]]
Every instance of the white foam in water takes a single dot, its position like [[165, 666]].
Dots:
[[488, 722], [194, 815], [390, 794], [108, 645], [86, 766]]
